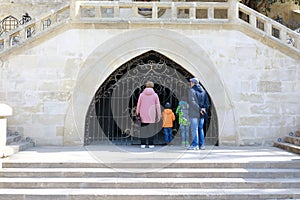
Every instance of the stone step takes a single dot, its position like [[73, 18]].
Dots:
[[148, 194], [203, 183], [288, 147], [152, 166], [141, 173], [271, 174], [292, 140]]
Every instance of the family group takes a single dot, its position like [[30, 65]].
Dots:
[[191, 111]]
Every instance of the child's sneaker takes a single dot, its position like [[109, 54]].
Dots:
[[193, 148], [202, 147], [151, 146], [187, 143], [143, 146]]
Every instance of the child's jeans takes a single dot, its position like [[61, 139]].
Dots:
[[185, 131], [168, 135]]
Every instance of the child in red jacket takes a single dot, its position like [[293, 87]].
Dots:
[[168, 117]]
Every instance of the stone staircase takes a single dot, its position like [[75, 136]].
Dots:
[[129, 181], [290, 143], [15, 143]]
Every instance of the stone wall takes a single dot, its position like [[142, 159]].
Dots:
[[253, 86]]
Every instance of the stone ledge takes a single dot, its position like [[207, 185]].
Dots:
[[149, 194], [292, 140], [289, 147], [14, 148]]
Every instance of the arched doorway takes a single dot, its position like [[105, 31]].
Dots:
[[110, 114]]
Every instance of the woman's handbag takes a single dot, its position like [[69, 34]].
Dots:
[[137, 121]]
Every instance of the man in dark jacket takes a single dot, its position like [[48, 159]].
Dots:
[[194, 110], [204, 104]]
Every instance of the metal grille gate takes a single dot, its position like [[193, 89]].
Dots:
[[111, 112]]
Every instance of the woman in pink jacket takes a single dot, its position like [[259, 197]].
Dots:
[[148, 107]]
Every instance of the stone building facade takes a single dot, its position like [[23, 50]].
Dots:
[[253, 81]]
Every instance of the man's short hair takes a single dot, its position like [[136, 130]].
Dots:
[[194, 80]]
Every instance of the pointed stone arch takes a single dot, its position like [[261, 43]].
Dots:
[[111, 112], [107, 57]]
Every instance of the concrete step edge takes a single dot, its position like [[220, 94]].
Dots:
[[149, 180], [159, 170], [293, 192], [169, 174], [208, 183], [279, 164]]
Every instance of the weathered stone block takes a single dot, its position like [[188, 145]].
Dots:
[[252, 97], [2, 96], [15, 97], [54, 96], [60, 131], [268, 108], [246, 52], [47, 119], [247, 132], [72, 68], [269, 86], [21, 119], [254, 121], [290, 108], [28, 109], [279, 74], [289, 86], [55, 107]]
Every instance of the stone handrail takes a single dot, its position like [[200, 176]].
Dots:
[[230, 12], [34, 27], [105, 10], [269, 27]]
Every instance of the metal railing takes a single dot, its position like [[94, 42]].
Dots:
[[192, 13]]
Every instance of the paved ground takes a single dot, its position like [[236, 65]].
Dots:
[[160, 154]]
